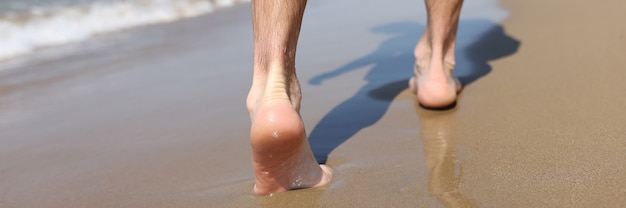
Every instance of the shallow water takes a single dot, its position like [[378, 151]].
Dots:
[[26, 26]]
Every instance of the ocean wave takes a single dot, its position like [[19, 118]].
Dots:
[[21, 34]]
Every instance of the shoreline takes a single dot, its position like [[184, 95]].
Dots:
[[37, 28]]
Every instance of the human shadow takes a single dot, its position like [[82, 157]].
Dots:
[[478, 42]]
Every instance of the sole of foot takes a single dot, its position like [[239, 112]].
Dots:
[[282, 158]]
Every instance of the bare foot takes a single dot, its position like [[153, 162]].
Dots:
[[281, 155], [433, 81], [434, 87]]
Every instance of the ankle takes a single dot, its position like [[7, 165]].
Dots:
[[273, 82], [430, 49], [423, 50]]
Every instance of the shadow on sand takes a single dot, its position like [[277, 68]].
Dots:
[[478, 42]]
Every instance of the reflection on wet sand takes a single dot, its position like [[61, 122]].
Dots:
[[297, 198], [437, 134]]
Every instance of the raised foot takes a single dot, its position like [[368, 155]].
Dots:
[[435, 88], [282, 158]]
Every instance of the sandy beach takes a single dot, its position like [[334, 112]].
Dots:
[[156, 117]]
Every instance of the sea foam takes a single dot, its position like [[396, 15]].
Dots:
[[23, 33]]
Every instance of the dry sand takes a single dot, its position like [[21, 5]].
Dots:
[[157, 117]]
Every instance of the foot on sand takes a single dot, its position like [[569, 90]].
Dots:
[[433, 81], [281, 155], [435, 88]]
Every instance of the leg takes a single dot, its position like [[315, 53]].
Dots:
[[434, 53], [281, 156]]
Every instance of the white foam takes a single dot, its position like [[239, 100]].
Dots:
[[55, 26]]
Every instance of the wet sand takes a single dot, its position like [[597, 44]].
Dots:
[[156, 118]]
